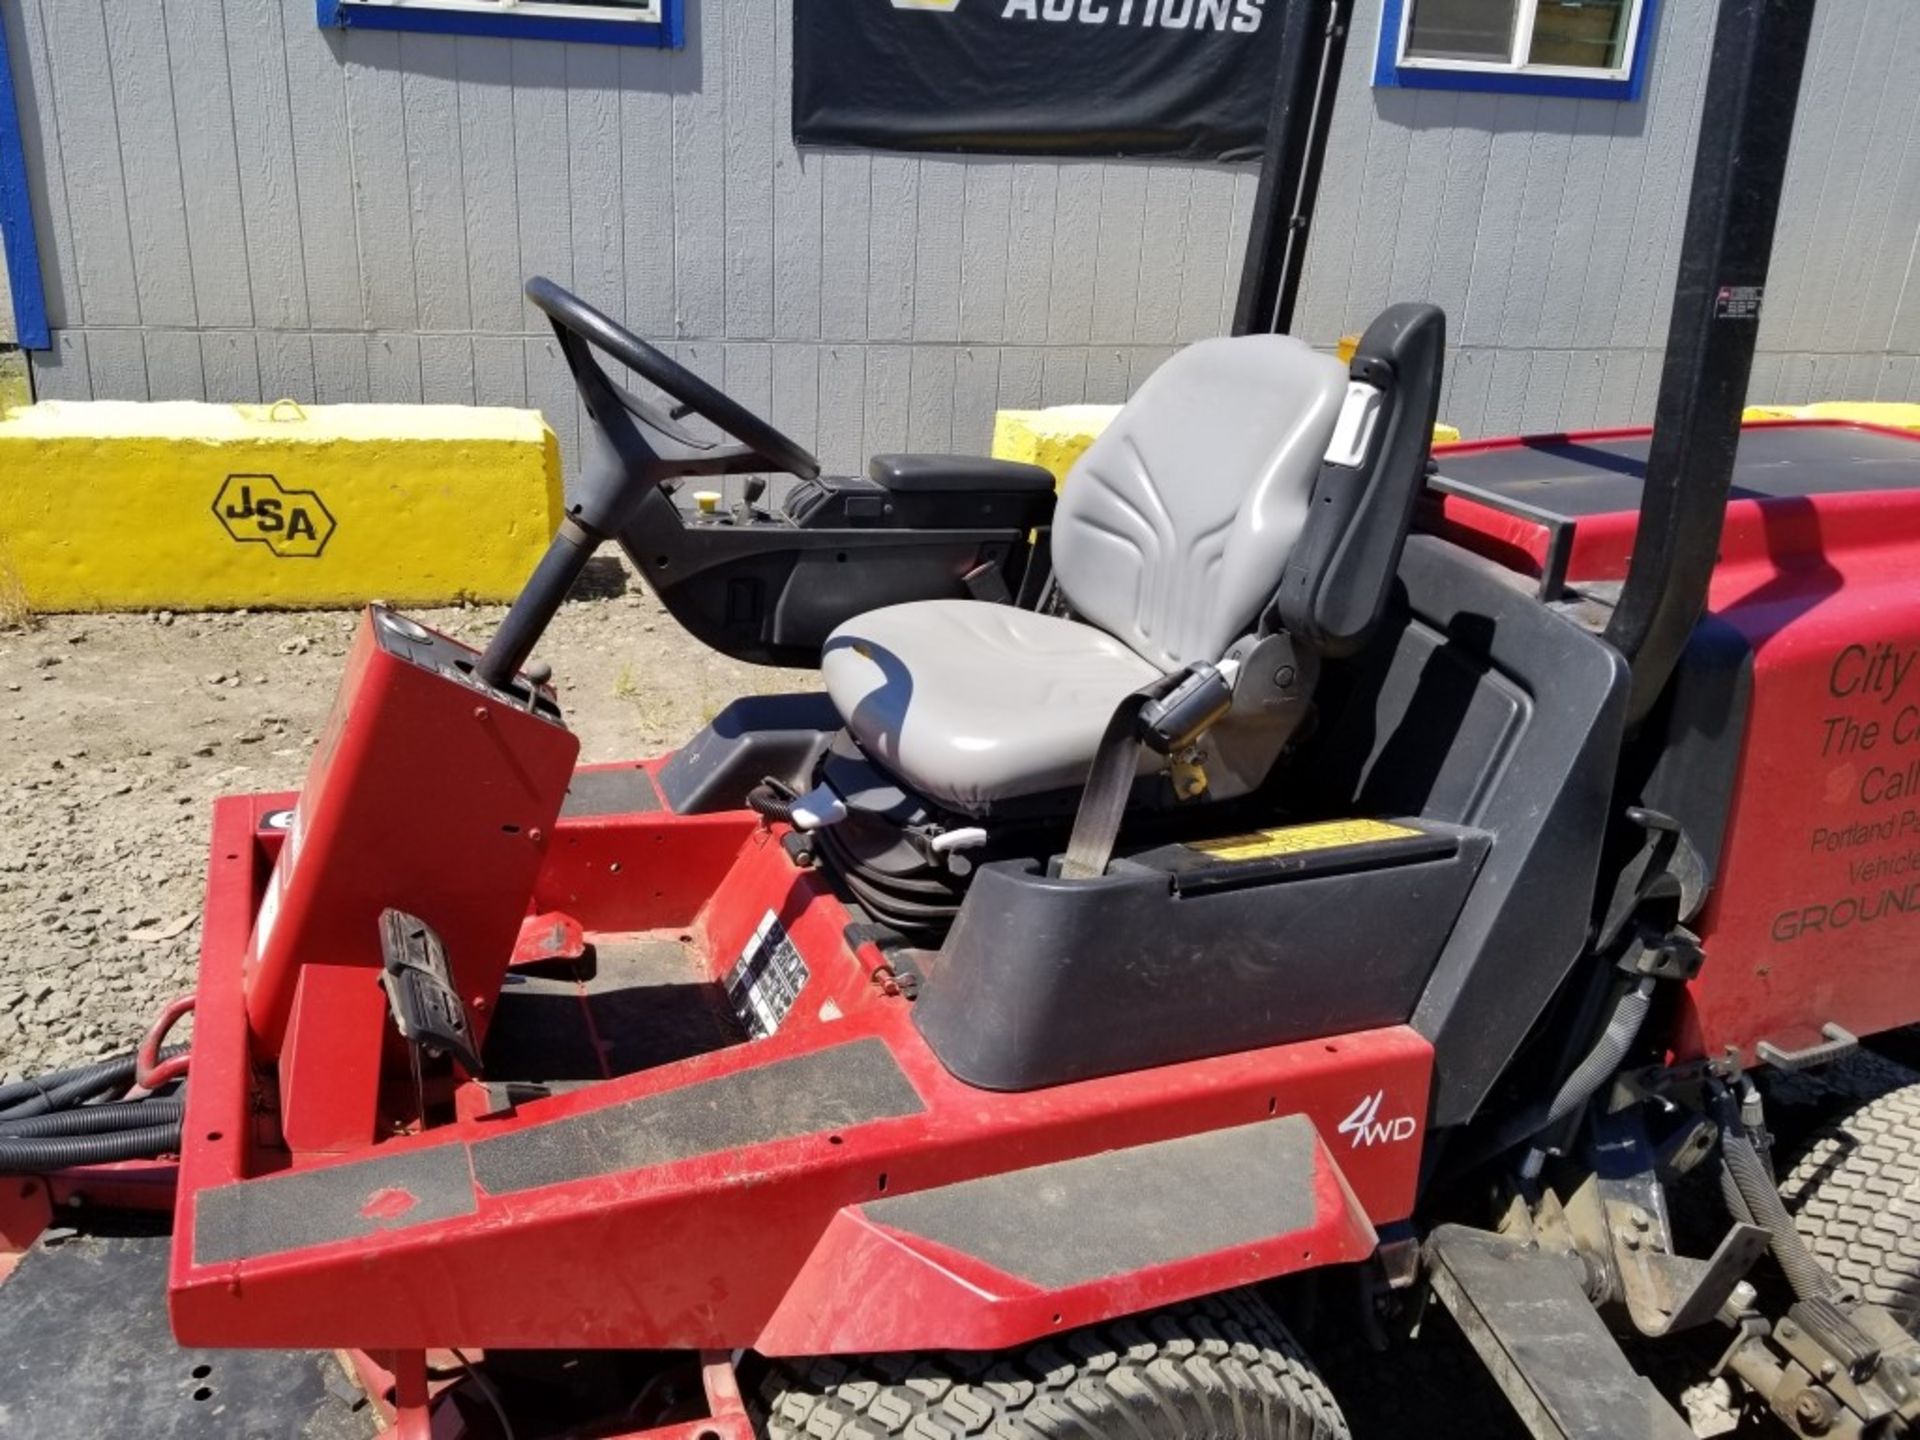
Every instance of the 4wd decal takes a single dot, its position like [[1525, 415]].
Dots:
[[1367, 1128], [259, 510]]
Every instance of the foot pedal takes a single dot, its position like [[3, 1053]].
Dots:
[[426, 1007], [1526, 1313]]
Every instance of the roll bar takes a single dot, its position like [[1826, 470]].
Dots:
[[1746, 125]]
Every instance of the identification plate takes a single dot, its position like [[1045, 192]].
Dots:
[[766, 979], [1301, 839]]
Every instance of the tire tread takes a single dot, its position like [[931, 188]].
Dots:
[[1219, 1368], [1854, 1193]]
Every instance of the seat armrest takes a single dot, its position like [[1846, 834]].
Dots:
[[1337, 578], [910, 474]]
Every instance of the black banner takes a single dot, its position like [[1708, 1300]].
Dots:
[[1191, 79]]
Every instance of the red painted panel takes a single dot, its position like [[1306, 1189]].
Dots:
[[700, 1253], [1815, 915], [866, 1287]]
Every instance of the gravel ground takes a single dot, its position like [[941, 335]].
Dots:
[[117, 731]]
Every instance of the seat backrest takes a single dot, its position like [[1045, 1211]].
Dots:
[[1173, 529]]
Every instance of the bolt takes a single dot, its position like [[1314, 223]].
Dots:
[[1739, 1300], [1630, 1240], [479, 712], [1810, 1410], [1642, 1221], [1283, 677], [1788, 1329], [1828, 1369]]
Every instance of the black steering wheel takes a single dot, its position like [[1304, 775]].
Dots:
[[582, 329], [635, 446]]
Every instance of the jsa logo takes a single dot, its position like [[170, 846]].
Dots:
[[1367, 1128], [259, 510]]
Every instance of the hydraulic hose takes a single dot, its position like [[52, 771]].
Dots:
[[1623, 1028], [94, 1119], [26, 1092], [64, 1089], [77, 1091], [59, 1152]]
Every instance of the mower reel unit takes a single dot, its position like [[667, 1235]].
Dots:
[[1287, 852]]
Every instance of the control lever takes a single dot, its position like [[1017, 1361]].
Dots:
[[538, 674], [751, 489]]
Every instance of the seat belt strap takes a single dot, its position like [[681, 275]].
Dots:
[[1103, 804]]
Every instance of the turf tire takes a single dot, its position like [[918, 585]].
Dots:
[[1222, 1368], [1854, 1193]]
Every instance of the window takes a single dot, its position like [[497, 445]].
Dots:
[[1595, 49], [606, 22]]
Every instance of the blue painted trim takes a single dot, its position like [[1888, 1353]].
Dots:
[[16, 218], [1389, 73], [669, 34]]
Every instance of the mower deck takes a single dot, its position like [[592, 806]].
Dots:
[[129, 1377]]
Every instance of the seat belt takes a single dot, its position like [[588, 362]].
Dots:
[[1116, 761]]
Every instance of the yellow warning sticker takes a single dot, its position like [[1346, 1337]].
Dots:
[[1300, 839]]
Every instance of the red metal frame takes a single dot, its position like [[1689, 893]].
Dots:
[[737, 1248], [424, 790], [1815, 913]]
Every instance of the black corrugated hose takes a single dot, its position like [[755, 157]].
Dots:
[[57, 1152], [46, 1122], [95, 1119]]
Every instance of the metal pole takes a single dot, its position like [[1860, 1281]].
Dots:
[[1746, 125], [1312, 46]]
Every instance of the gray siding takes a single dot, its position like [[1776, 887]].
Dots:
[[232, 204], [1549, 229], [235, 205]]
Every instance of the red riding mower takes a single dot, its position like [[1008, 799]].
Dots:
[[1283, 878]]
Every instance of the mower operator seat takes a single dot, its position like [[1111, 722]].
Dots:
[[1173, 535]]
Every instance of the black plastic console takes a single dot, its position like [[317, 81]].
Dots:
[[1176, 954], [1490, 718], [769, 588]]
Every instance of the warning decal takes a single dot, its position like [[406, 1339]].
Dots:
[[766, 979], [1301, 839]]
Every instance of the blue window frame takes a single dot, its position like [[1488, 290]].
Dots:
[[1588, 49], [658, 23], [16, 220]]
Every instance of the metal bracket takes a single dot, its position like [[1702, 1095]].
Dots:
[[1667, 1293], [1838, 1044], [1559, 528]]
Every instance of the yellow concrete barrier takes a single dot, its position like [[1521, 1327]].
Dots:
[[1055, 437], [1894, 414], [109, 505]]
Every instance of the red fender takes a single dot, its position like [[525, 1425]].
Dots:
[[1008, 1258]]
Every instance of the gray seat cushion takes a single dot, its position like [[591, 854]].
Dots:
[[1174, 528], [971, 703], [1172, 532]]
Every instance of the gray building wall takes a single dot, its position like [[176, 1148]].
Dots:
[[235, 205], [1549, 229]]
